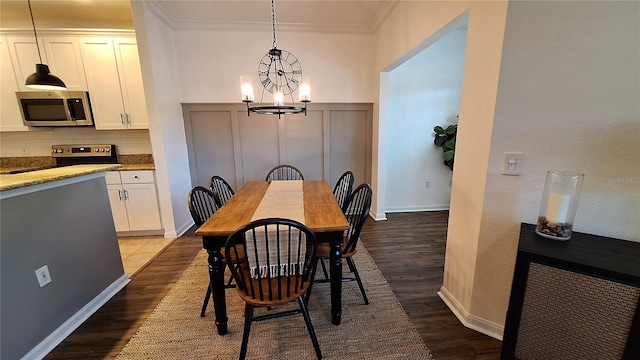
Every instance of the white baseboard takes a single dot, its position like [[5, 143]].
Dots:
[[180, 231], [377, 217], [393, 209], [64, 330], [486, 327]]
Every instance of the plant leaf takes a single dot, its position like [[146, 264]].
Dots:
[[449, 155], [438, 129], [440, 140], [451, 129], [450, 144]]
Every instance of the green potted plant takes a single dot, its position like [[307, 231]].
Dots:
[[446, 139]]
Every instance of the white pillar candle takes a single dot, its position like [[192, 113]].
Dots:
[[558, 208]]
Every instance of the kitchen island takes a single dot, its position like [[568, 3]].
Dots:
[[60, 218]]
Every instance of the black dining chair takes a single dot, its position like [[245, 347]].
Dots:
[[202, 205], [221, 189], [356, 211], [284, 172], [273, 262], [343, 188]]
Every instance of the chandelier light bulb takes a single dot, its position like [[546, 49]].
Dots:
[[304, 92], [278, 98], [246, 86]]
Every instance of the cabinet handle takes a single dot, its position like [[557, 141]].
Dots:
[[121, 118], [128, 120], [126, 195], [120, 194]]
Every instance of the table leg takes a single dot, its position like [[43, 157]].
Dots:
[[336, 280], [216, 276]]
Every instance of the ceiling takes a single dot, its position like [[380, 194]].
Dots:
[[330, 15]]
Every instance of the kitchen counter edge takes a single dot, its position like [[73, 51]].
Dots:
[[16, 181]]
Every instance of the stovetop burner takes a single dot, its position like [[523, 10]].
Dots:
[[66, 155]]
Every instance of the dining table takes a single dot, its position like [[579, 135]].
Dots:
[[321, 214]]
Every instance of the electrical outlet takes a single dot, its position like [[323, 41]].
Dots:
[[512, 163], [43, 276], [426, 184]]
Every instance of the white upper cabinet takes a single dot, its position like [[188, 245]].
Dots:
[[10, 117], [24, 57], [112, 68], [65, 62], [61, 54]]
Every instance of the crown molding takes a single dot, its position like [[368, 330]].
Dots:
[[172, 22]]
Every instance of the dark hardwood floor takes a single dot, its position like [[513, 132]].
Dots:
[[408, 248], [414, 269]]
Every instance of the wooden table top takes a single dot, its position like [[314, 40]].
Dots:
[[321, 210]]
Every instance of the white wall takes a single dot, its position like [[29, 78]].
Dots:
[[212, 61], [569, 99], [425, 92], [166, 127], [411, 24]]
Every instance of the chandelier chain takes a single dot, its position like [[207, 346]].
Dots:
[[273, 23]]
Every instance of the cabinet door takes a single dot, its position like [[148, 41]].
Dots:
[[118, 207], [10, 116], [142, 207], [65, 61], [24, 57], [100, 66], [130, 74]]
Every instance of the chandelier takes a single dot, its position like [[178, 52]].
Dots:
[[280, 74]]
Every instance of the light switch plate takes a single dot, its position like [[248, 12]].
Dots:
[[512, 163]]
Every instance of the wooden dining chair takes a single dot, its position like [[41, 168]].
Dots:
[[202, 205], [356, 211], [273, 262], [343, 188], [284, 172], [221, 189]]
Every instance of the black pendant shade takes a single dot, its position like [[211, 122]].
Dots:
[[42, 79]]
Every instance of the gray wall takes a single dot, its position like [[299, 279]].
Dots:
[[332, 138], [68, 228]]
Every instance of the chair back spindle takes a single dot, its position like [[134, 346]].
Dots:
[[221, 189], [284, 172], [343, 188], [202, 204]]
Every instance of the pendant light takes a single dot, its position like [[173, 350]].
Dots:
[[42, 79], [280, 73]]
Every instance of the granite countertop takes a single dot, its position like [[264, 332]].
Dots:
[[13, 165], [133, 167], [15, 181]]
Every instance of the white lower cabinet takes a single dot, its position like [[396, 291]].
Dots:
[[134, 201]]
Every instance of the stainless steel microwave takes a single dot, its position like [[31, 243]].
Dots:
[[55, 108]]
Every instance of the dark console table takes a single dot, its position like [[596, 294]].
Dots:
[[575, 299]]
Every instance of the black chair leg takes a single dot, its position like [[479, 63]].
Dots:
[[352, 265], [248, 315], [312, 332], [206, 301]]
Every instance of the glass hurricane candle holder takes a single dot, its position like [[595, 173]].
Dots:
[[559, 204]]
